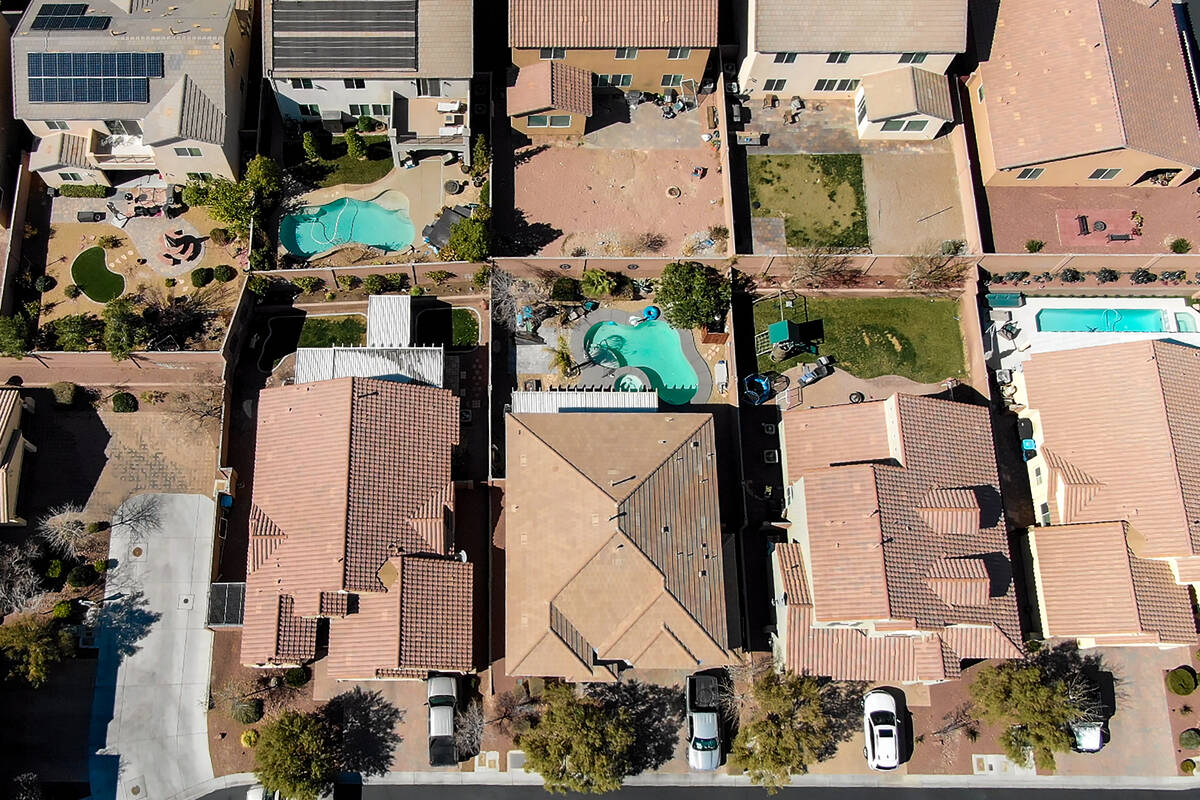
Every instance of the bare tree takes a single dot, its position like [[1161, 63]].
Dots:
[[932, 267], [514, 713], [511, 294], [824, 267], [64, 529], [26, 786], [468, 729], [737, 692], [20, 583], [956, 719], [202, 404]]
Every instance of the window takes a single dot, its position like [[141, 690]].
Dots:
[[538, 121], [57, 125], [671, 80], [774, 85], [74, 177], [861, 110], [188, 152], [1037, 476], [429, 87], [560, 121], [307, 110], [785, 58], [1104, 174], [893, 125], [837, 58], [626, 53], [835, 85], [915, 125], [359, 110], [614, 80], [1030, 174], [124, 127], [354, 83], [381, 110], [302, 83], [913, 58], [679, 53], [552, 53], [199, 176]]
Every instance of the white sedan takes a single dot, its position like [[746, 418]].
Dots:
[[881, 730]]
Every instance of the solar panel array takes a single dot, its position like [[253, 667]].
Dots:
[[326, 35], [67, 17], [92, 77]]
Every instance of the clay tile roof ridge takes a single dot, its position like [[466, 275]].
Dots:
[[1112, 76]]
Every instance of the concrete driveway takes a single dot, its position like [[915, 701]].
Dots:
[[149, 732]]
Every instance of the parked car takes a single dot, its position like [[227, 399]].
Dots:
[[881, 730], [704, 726], [442, 693], [1089, 737], [815, 374]]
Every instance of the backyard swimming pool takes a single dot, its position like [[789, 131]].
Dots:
[[1101, 320], [319, 229], [654, 347]]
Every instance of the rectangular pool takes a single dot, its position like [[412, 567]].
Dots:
[[1101, 320]]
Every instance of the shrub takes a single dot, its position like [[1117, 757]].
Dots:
[[44, 283], [330, 296], [62, 609], [1016, 276], [100, 565], [1143, 275], [481, 157], [1181, 246], [250, 735], [312, 148], [1181, 680], [153, 397], [1187, 766], [397, 281], [64, 392], [416, 291], [220, 236], [54, 569], [1070, 275], [348, 282], [258, 284], [247, 710], [1107, 275], [356, 146], [469, 240], [482, 277], [1034, 246], [202, 276], [84, 190], [96, 527], [309, 284], [485, 193], [124, 402], [366, 123], [72, 291], [1190, 739], [296, 677], [439, 276], [224, 273], [83, 575], [375, 284], [566, 290], [109, 241], [170, 283], [598, 283]]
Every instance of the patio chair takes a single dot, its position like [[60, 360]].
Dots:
[[1084, 230]]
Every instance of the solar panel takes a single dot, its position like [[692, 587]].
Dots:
[[35, 90], [89, 90], [68, 17], [124, 65], [110, 90], [154, 65], [93, 77]]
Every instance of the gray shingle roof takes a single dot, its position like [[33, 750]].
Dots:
[[860, 26]]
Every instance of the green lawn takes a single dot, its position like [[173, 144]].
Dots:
[[343, 169], [914, 337], [464, 328], [330, 331], [92, 275], [819, 197]]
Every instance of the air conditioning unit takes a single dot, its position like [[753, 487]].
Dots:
[[770, 456], [769, 428]]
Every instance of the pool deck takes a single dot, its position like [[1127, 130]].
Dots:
[[604, 377]]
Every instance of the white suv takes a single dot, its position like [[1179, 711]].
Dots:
[[442, 693]]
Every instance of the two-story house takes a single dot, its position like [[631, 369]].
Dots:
[[564, 49], [890, 58], [404, 63], [126, 87]]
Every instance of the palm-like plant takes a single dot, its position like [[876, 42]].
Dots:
[[598, 283], [560, 358]]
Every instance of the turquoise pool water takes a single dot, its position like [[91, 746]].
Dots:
[[322, 228], [654, 347], [1101, 320]]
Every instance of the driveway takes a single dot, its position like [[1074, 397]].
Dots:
[[149, 731]]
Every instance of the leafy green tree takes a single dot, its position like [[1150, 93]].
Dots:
[[312, 151], [481, 157], [469, 241], [598, 283], [580, 744], [693, 295], [14, 337], [30, 645], [356, 146], [1035, 707], [76, 332], [122, 328], [296, 756], [236, 203], [788, 729], [263, 179]]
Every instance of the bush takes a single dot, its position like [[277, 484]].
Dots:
[[72, 291], [1070, 275], [124, 402], [397, 281], [96, 527], [482, 277], [44, 283], [416, 291], [110, 241], [247, 710], [54, 569], [1181, 246], [64, 392], [694, 295], [224, 273], [83, 575], [84, 190], [1107, 275], [356, 146], [1187, 766], [250, 735], [469, 240], [366, 124], [348, 282], [100, 565], [308, 284], [566, 290], [220, 236], [1016, 276], [439, 276], [1181, 680], [1143, 275], [296, 677], [258, 284], [62, 609], [375, 284], [330, 296], [202, 276], [598, 283], [1034, 246], [312, 148], [170, 283], [1190, 739]]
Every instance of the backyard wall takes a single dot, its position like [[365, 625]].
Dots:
[[174, 370], [14, 237]]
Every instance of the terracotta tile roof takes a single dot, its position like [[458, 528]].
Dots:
[[349, 476], [1090, 584], [1083, 76], [436, 619], [551, 85], [860, 26], [902, 514], [614, 547], [296, 639], [791, 568], [612, 23], [1087, 400]]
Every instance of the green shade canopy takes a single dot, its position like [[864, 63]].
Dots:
[[783, 331]]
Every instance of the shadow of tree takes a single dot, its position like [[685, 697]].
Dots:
[[526, 154], [364, 725], [140, 515], [658, 712], [1089, 682], [524, 238], [125, 620], [842, 702]]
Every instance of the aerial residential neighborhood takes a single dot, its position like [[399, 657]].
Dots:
[[419, 397]]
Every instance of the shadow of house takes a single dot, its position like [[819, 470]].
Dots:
[[71, 454]]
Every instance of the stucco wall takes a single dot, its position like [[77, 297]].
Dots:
[[803, 74], [647, 68]]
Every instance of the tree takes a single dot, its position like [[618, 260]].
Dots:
[[236, 203], [30, 645], [693, 294], [121, 328], [14, 337], [824, 267], [932, 267], [202, 404], [356, 146], [561, 359], [20, 581], [1035, 707], [468, 729], [64, 529], [469, 241], [76, 332], [296, 756], [26, 786], [580, 744], [481, 157], [312, 150], [788, 729], [598, 283]]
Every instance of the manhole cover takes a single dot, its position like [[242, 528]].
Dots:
[[138, 552], [185, 602], [1099, 225]]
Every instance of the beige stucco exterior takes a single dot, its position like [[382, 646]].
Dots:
[[576, 128], [647, 68], [800, 77]]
